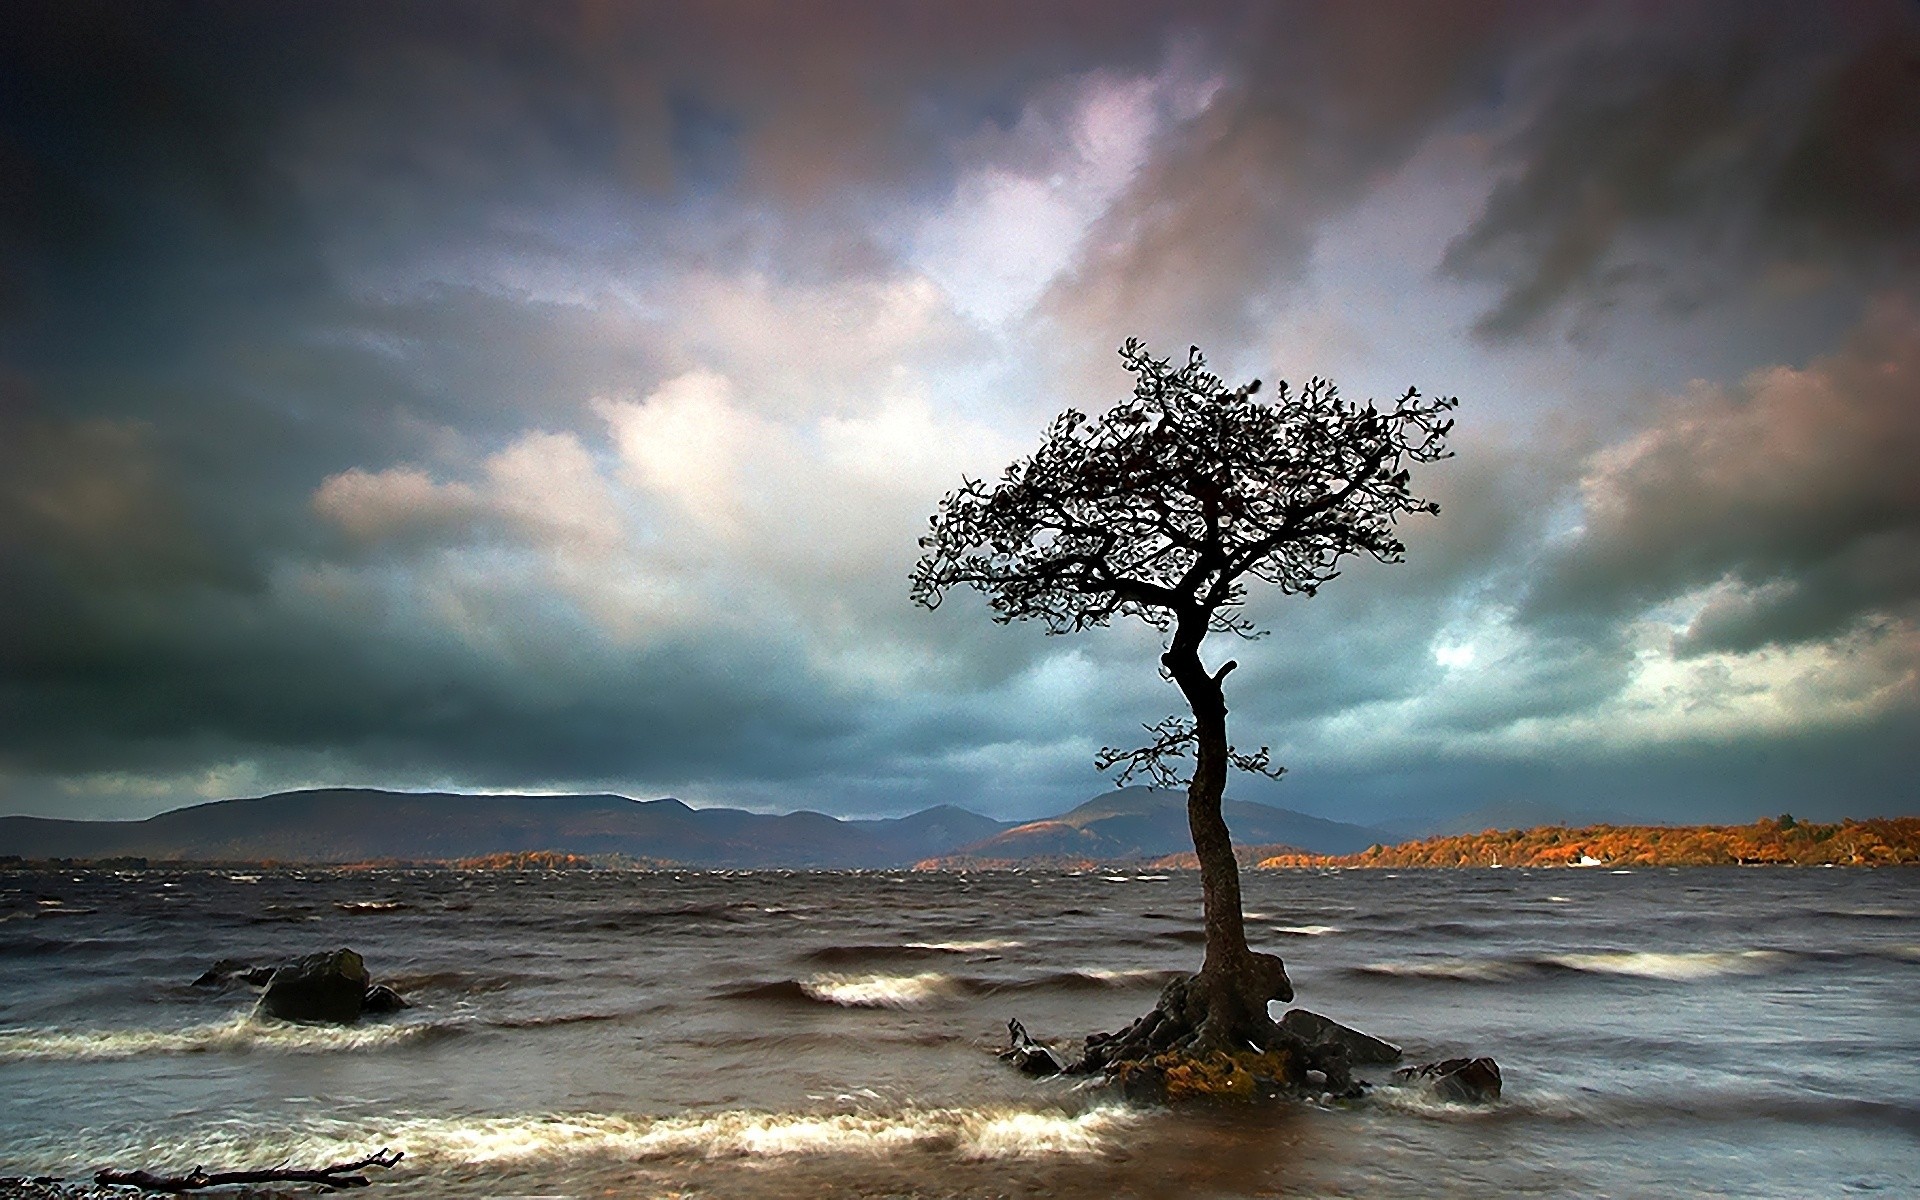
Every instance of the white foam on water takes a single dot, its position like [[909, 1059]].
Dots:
[[440, 1142], [881, 991], [1414, 1100], [1307, 930], [973, 947], [243, 1034], [1118, 978], [1040, 1135], [1710, 964], [1474, 969]]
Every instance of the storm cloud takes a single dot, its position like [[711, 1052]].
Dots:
[[549, 396]]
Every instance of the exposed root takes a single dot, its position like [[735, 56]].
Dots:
[[1198, 1044]]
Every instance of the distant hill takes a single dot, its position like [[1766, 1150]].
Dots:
[[1139, 823], [337, 825]]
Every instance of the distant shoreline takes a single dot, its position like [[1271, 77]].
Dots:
[[1781, 841], [1778, 841]]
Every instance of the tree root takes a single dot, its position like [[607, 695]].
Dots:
[[339, 1175], [1186, 1048]]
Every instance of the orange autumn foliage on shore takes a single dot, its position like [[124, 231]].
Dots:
[[526, 860], [1781, 841]]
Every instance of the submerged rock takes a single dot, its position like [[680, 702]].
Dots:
[[1317, 1031], [1462, 1080], [382, 999], [1028, 1056], [232, 970], [328, 988]]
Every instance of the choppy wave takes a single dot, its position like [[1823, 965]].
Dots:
[[243, 1034], [462, 983], [884, 991], [1696, 965], [877, 990], [860, 991], [1618, 1110], [1673, 966], [1088, 978]]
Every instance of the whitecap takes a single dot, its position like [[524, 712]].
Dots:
[[981, 946], [440, 1142], [1477, 970], [1307, 930], [1643, 964], [1422, 1102], [1119, 978], [881, 991], [243, 1034]]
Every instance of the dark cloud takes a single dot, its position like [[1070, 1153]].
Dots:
[[1316, 105], [1794, 494], [1740, 146]]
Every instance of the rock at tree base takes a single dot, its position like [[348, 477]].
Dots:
[[382, 999], [1176, 1077], [1463, 1080], [1315, 1030], [326, 988]]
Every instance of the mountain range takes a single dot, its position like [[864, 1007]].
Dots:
[[343, 825]]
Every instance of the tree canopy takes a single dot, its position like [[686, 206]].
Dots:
[[1164, 507]]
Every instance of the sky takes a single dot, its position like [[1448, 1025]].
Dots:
[[549, 396]]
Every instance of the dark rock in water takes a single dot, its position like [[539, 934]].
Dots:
[[1028, 1056], [1316, 1030], [1464, 1080], [382, 999], [231, 970], [326, 988]]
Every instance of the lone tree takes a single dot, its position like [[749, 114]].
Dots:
[[1168, 509]]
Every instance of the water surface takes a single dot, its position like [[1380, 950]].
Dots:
[[1698, 1032]]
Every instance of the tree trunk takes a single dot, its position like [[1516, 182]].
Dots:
[[1223, 1009], [1235, 983]]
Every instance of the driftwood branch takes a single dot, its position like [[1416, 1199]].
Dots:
[[339, 1175]]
